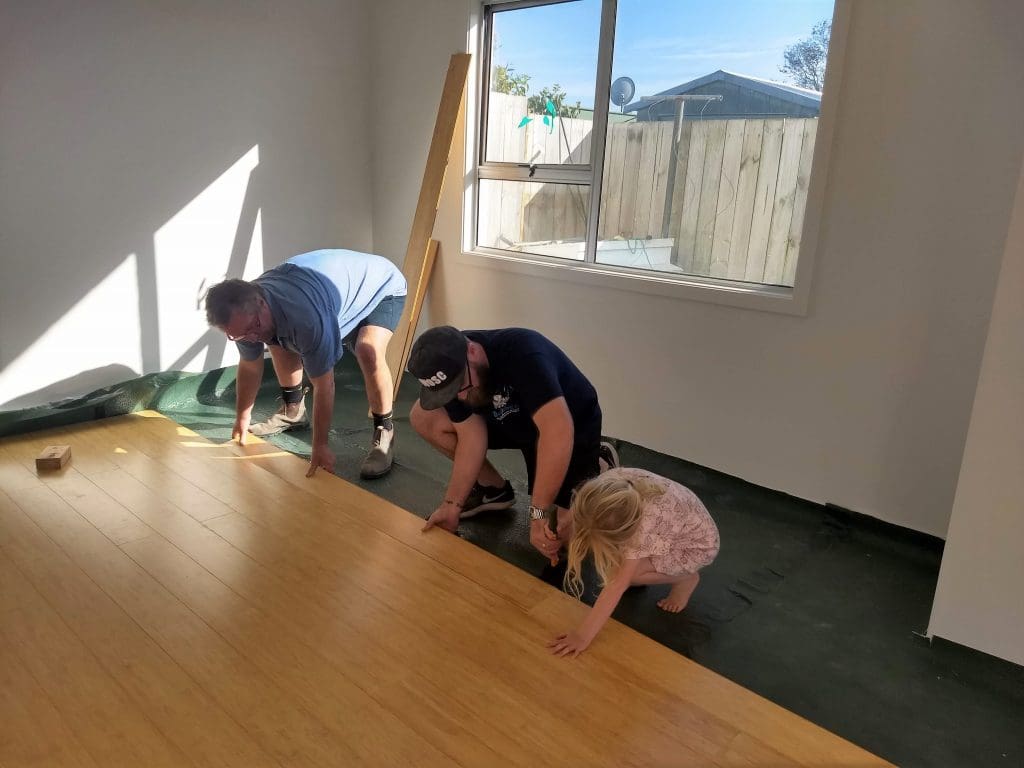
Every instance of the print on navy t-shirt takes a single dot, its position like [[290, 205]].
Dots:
[[527, 371]]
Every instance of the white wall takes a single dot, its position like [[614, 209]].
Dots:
[[866, 401], [146, 150], [978, 601], [412, 43]]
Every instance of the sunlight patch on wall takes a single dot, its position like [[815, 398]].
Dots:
[[217, 233], [98, 338]]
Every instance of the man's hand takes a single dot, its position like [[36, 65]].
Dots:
[[570, 644], [320, 457], [544, 541], [446, 516], [241, 429]]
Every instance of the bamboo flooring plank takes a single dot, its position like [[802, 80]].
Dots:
[[497, 576], [26, 447], [408, 587], [235, 481], [15, 476], [483, 627], [168, 487], [32, 730], [114, 608], [747, 752], [352, 640], [699, 724], [377, 735], [386, 644], [356, 639], [690, 685], [158, 437], [114, 521], [286, 663], [473, 654], [99, 712], [319, 738], [245, 575], [10, 598], [111, 519]]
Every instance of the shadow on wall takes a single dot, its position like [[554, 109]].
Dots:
[[86, 381], [149, 154]]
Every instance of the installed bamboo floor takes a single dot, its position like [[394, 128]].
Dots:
[[168, 601]]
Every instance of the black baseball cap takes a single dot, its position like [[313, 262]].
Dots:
[[438, 360]]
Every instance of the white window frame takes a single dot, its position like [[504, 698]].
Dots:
[[793, 301]]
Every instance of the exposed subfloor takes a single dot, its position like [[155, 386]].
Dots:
[[814, 609]]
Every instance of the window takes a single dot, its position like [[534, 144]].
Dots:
[[706, 115]]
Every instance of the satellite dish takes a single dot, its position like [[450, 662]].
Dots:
[[622, 91]]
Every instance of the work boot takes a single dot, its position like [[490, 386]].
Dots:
[[281, 422], [378, 461]]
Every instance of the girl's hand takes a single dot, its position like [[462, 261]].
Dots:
[[572, 643]]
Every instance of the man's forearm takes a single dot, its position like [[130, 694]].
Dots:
[[554, 450], [470, 453], [323, 409], [247, 384]]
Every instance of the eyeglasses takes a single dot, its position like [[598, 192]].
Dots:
[[469, 374], [251, 330]]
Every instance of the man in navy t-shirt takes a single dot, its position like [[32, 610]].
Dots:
[[508, 388], [306, 310]]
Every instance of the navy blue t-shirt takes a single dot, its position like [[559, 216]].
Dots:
[[527, 371]]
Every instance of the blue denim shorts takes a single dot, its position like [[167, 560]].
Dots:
[[385, 315]]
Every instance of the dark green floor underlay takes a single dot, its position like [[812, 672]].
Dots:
[[813, 608]]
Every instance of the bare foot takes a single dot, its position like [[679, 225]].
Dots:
[[680, 594]]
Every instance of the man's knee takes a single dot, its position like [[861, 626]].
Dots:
[[431, 424], [420, 419], [367, 353]]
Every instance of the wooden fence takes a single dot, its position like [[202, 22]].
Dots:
[[729, 193]]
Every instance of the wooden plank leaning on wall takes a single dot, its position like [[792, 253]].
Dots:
[[421, 251]]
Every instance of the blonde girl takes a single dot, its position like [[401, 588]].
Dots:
[[641, 529]]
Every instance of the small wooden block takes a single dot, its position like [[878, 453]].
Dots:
[[53, 457]]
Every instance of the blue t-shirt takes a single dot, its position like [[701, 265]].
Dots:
[[318, 298], [527, 371]]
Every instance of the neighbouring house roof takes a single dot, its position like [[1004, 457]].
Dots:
[[805, 97]]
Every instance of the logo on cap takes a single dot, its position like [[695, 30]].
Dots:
[[435, 380]]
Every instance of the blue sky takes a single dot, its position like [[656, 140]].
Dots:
[[658, 43]]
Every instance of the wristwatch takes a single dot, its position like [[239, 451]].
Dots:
[[542, 513]]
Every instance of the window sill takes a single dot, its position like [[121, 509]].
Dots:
[[688, 288]]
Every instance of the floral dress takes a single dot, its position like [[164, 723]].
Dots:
[[676, 532]]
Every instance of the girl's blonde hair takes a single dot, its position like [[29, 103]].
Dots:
[[605, 514]]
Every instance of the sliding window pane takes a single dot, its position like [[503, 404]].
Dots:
[[712, 122], [546, 219], [541, 86]]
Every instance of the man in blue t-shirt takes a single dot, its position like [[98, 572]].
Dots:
[[306, 311], [509, 388]]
